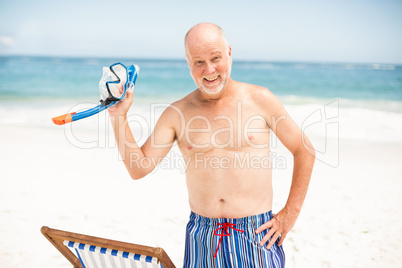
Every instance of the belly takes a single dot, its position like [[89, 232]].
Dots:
[[231, 185]]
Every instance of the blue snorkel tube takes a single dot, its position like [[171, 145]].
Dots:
[[111, 98]]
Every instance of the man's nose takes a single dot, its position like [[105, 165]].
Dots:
[[209, 68]]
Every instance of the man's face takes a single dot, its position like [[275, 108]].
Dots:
[[210, 65]]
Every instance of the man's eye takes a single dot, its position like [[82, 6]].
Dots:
[[198, 62], [215, 58]]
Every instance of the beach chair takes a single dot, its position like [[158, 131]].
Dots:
[[88, 251]]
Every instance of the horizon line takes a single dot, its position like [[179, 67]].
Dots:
[[184, 60]]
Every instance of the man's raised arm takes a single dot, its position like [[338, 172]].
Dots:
[[140, 161]]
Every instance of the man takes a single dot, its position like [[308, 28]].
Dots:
[[223, 131]]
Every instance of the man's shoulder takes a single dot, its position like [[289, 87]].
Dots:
[[183, 102], [260, 98], [255, 92], [177, 108]]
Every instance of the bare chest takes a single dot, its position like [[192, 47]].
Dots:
[[234, 127]]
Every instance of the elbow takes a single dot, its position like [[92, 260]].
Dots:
[[305, 151], [141, 170], [139, 173], [311, 151], [309, 154], [136, 177], [308, 148]]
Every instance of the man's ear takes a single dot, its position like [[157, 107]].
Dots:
[[230, 54]]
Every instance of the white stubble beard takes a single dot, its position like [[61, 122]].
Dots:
[[217, 89]]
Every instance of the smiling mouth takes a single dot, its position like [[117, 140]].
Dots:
[[212, 79]]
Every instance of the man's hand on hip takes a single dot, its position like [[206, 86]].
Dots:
[[279, 225]]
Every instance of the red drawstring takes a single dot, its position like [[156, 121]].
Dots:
[[225, 227]]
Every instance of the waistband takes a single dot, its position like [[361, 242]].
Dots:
[[255, 220]]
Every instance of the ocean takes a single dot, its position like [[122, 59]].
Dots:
[[365, 99]]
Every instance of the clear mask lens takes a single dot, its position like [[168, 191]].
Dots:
[[113, 81]]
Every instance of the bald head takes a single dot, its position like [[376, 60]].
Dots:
[[203, 33]]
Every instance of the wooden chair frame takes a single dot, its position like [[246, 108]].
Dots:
[[57, 237]]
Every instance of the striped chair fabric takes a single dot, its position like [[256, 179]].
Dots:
[[92, 256], [84, 251]]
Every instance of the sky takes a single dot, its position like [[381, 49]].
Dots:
[[355, 31]]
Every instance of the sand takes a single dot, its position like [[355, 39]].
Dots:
[[350, 218]]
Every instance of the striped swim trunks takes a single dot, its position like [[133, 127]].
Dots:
[[224, 242]]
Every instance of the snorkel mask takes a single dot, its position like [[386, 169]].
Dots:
[[113, 86]]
